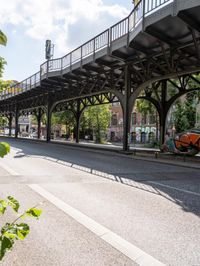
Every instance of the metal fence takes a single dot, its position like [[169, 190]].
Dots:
[[103, 40]]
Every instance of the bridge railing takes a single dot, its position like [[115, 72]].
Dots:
[[119, 29], [104, 39], [90, 48], [21, 87], [135, 16], [151, 5]]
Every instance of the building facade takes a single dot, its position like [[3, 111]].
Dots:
[[143, 129]]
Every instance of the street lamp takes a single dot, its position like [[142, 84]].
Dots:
[[49, 50]]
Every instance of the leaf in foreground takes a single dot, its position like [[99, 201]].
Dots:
[[3, 150], [3, 206], [13, 203], [5, 245], [33, 212]]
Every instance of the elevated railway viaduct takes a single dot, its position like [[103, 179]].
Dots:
[[156, 46]]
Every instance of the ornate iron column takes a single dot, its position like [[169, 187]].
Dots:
[[77, 117], [48, 125], [126, 109], [10, 124], [164, 110], [39, 116], [16, 122]]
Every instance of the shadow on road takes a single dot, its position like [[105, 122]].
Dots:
[[177, 184]]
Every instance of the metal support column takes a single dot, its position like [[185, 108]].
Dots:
[[39, 116], [126, 111], [10, 124], [48, 125], [163, 114], [16, 122], [78, 116]]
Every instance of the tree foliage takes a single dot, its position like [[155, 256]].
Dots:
[[185, 109], [11, 231], [66, 118], [180, 118], [2, 64], [5, 84], [185, 112], [144, 107], [14, 230], [4, 149], [97, 118], [3, 41], [3, 38]]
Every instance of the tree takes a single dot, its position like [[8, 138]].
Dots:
[[3, 41], [5, 84], [190, 109], [3, 38], [64, 118], [97, 118], [144, 107], [185, 112], [11, 231], [180, 118]]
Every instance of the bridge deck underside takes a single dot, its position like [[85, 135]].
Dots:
[[169, 45]]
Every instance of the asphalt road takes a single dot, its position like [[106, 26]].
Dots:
[[151, 206]]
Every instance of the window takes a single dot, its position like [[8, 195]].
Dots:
[[134, 118], [144, 119], [114, 120], [152, 119]]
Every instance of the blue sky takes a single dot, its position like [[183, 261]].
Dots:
[[68, 23]]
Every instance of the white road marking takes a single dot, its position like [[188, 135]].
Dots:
[[174, 188], [8, 169], [125, 247]]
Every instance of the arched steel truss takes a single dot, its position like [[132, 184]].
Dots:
[[141, 53]]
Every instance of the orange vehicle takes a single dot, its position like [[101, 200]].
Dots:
[[187, 143]]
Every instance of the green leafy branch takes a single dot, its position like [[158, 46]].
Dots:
[[14, 230], [4, 149]]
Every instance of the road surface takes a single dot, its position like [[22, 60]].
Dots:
[[102, 208]]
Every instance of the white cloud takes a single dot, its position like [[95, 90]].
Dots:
[[42, 19]]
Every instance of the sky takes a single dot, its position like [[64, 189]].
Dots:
[[67, 23]]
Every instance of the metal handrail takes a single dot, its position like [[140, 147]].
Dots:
[[91, 47]]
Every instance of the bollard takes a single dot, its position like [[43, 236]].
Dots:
[[156, 154]]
